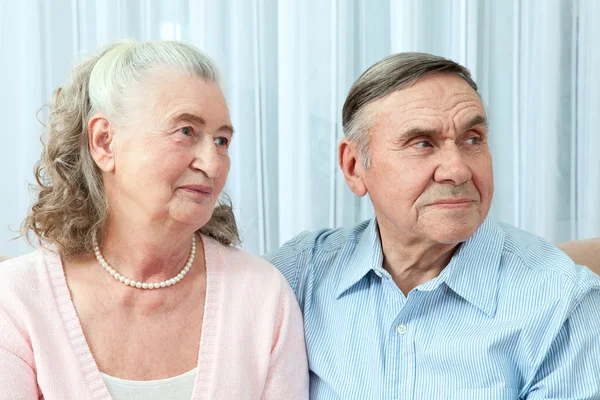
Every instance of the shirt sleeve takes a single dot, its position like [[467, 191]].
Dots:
[[287, 377], [571, 369]]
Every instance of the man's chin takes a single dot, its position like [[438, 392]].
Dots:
[[453, 233]]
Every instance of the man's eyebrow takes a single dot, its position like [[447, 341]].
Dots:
[[478, 120], [196, 120], [416, 132]]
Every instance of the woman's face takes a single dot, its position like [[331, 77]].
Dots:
[[171, 163]]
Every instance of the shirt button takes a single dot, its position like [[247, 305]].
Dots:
[[401, 329], [378, 273]]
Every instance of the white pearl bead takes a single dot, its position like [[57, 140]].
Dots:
[[163, 284], [112, 272], [122, 279], [117, 276], [173, 281], [168, 282], [127, 281], [151, 286], [179, 276], [132, 283], [183, 273], [138, 285], [144, 286]]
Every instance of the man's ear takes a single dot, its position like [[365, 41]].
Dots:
[[100, 140], [350, 163]]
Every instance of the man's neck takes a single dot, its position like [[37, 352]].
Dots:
[[412, 263]]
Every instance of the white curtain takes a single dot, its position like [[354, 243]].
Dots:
[[288, 65]]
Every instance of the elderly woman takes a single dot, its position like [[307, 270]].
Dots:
[[136, 291]]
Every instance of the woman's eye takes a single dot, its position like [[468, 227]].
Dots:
[[186, 130], [222, 141], [474, 140]]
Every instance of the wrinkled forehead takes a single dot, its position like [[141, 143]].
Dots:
[[165, 91], [165, 81], [437, 90], [436, 95]]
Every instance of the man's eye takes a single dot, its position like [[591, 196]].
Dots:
[[474, 140], [422, 144], [222, 141], [186, 130]]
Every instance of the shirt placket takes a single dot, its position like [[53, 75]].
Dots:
[[400, 345]]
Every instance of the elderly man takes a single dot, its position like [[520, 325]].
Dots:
[[432, 298]]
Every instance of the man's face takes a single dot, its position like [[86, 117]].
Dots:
[[430, 177]]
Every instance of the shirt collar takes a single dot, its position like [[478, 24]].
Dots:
[[473, 271], [366, 256]]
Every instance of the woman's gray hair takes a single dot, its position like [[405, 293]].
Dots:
[[393, 73], [71, 207]]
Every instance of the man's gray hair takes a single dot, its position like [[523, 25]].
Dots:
[[393, 73]]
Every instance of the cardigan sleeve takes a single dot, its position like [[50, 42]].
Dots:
[[17, 369], [287, 377], [17, 378]]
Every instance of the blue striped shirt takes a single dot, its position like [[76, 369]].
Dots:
[[511, 316]]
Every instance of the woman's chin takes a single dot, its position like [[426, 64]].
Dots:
[[192, 216]]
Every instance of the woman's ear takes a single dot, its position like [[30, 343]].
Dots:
[[100, 139], [349, 161]]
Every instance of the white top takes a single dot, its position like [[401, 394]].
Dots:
[[179, 387]]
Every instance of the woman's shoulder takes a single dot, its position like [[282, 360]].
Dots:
[[19, 268], [23, 275], [244, 266], [24, 297]]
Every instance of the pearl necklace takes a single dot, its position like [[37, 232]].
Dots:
[[144, 285]]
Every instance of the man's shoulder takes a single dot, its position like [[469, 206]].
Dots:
[[320, 241], [314, 252], [534, 258], [327, 240]]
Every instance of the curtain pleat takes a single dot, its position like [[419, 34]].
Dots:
[[287, 67]]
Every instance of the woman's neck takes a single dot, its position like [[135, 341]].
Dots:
[[146, 252]]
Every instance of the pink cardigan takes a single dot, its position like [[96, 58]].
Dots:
[[252, 344]]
